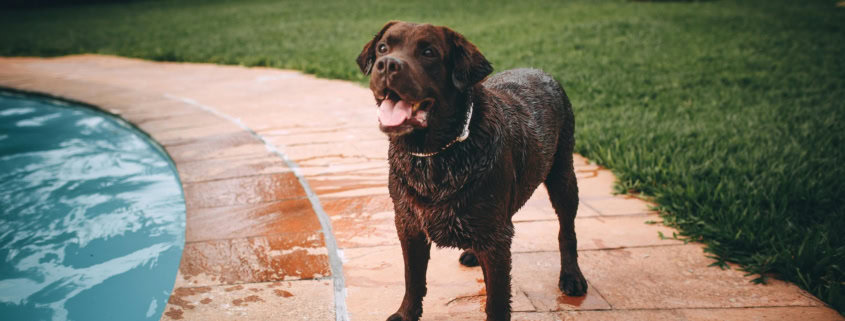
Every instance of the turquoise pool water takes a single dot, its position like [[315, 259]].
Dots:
[[92, 217]]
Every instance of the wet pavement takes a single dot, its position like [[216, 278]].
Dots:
[[285, 180]]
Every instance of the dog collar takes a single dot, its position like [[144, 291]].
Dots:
[[464, 135]]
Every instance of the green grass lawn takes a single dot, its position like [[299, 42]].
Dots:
[[731, 114]]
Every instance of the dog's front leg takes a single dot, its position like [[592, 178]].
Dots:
[[415, 250], [496, 264]]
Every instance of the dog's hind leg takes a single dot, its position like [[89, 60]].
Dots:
[[563, 192]]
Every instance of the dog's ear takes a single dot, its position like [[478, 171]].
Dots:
[[468, 64], [368, 55]]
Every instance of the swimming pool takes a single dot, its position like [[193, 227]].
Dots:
[[92, 216]]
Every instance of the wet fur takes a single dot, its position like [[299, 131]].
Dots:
[[521, 135]]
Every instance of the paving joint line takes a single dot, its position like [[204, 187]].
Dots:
[[335, 262], [323, 278], [249, 237], [246, 204], [287, 170]]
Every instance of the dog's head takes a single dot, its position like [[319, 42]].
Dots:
[[417, 71]]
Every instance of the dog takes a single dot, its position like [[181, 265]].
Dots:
[[466, 152]]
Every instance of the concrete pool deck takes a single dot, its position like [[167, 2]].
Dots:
[[288, 216]]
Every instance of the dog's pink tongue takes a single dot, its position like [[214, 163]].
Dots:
[[392, 113]]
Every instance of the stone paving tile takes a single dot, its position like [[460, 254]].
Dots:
[[593, 233], [715, 314], [230, 145], [183, 136], [349, 184], [515, 316], [242, 190], [239, 221], [284, 257], [187, 120], [764, 314], [538, 274], [622, 315], [316, 134], [375, 274], [620, 205], [139, 113], [677, 277], [598, 185], [362, 221], [217, 169], [307, 154], [297, 300]]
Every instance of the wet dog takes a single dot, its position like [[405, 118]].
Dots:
[[466, 152]]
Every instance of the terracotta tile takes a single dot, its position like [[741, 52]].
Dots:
[[349, 186], [620, 205], [348, 169], [315, 153], [184, 136], [547, 213], [374, 149], [311, 135], [472, 307], [74, 89], [216, 169], [122, 99], [539, 207], [242, 190], [362, 221], [679, 277], [289, 216], [763, 314], [530, 212], [623, 315], [479, 315], [217, 147], [540, 197], [198, 118], [598, 185], [284, 257], [297, 300], [579, 160], [537, 275], [138, 113], [532, 316], [593, 233], [376, 274]]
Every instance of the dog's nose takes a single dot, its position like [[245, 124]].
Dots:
[[389, 65]]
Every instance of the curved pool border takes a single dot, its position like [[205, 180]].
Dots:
[[128, 105]]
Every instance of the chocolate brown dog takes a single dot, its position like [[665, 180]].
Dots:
[[466, 154]]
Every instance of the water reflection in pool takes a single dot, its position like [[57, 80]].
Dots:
[[92, 216]]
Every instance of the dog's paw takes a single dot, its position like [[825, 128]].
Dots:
[[573, 284], [468, 259]]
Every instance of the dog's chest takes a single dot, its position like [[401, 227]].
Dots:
[[445, 227]]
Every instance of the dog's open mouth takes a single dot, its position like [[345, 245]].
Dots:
[[394, 111]]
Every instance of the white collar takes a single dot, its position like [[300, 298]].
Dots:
[[464, 135]]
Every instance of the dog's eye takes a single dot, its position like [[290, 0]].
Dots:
[[428, 52], [382, 48]]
